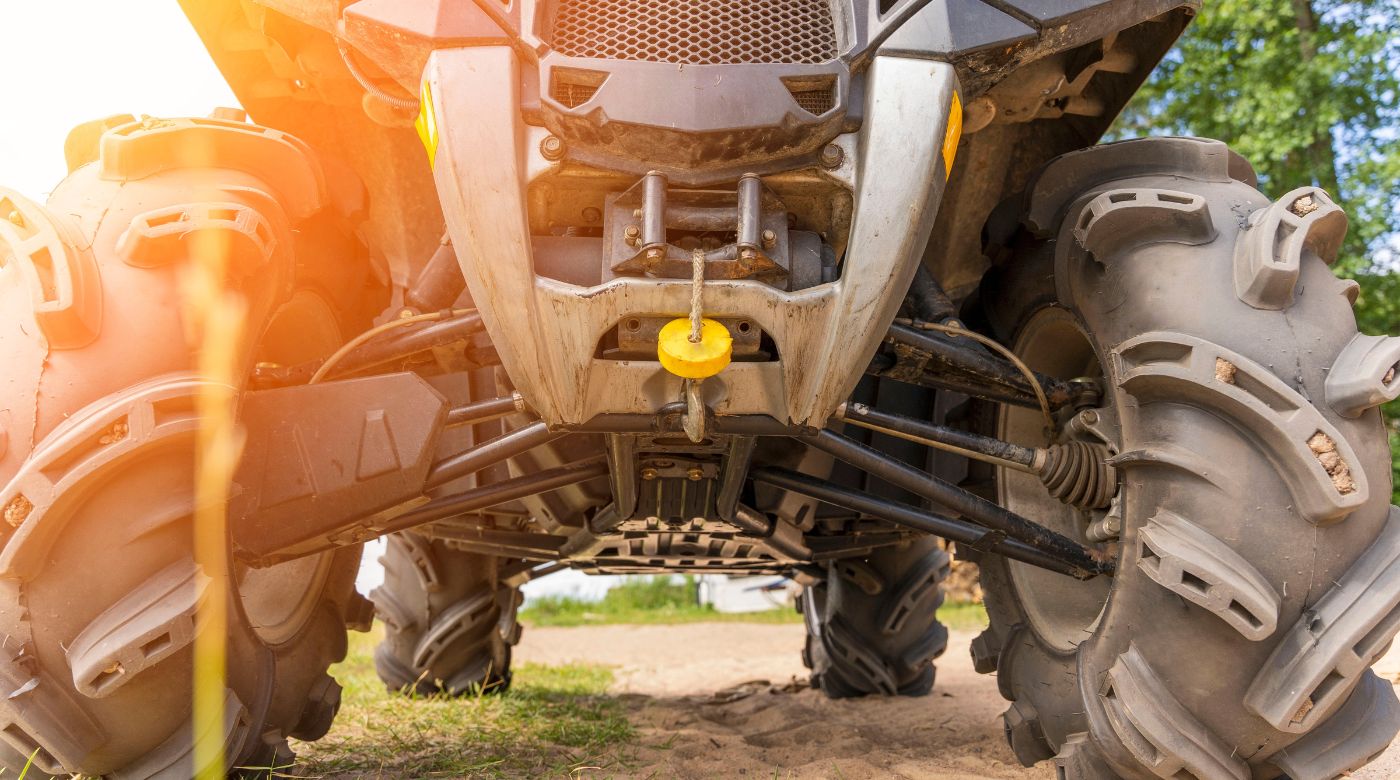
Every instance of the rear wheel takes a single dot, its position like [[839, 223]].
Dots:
[[98, 421], [871, 625], [1259, 559], [449, 620]]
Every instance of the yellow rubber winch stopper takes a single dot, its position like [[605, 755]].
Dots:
[[694, 360]]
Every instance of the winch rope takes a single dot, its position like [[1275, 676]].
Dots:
[[697, 285]]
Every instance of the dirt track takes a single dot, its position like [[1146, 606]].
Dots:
[[685, 686]]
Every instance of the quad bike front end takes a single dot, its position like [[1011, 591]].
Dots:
[[825, 288]]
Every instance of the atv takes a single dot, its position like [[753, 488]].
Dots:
[[824, 288]]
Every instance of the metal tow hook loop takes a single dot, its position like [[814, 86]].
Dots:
[[694, 424]]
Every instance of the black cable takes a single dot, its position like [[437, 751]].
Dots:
[[401, 103]]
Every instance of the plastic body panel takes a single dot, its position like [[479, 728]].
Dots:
[[546, 331]]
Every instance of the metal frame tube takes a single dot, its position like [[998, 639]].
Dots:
[[958, 531], [653, 210], [975, 362], [498, 493], [622, 452], [969, 505], [731, 482], [886, 365], [972, 445], [489, 453], [395, 347], [750, 208], [440, 282], [483, 411]]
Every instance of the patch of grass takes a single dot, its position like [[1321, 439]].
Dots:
[[658, 600], [553, 721], [963, 616], [638, 600]]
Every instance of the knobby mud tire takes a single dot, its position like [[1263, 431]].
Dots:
[[1259, 572], [449, 623], [98, 585], [872, 626]]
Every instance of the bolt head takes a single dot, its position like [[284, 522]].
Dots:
[[632, 231], [15, 218], [551, 147], [769, 238], [1089, 417], [695, 474], [648, 474], [833, 155]]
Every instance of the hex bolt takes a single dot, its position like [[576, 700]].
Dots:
[[1089, 417], [552, 148], [833, 155], [648, 474], [694, 474], [769, 239]]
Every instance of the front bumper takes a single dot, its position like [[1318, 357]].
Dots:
[[547, 331]]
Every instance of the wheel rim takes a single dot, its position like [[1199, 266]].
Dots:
[[280, 600], [1062, 611]]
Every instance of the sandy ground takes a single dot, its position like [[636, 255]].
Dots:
[[728, 700]]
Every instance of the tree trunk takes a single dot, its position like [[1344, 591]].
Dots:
[[1322, 158]]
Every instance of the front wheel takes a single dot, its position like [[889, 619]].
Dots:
[[100, 591], [1259, 558]]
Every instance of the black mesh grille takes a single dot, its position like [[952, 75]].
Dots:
[[697, 32], [571, 95], [817, 101]]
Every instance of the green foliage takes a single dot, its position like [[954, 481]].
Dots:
[[554, 721], [1306, 90], [1309, 92], [1378, 311], [642, 600], [963, 616]]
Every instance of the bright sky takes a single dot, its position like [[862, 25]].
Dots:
[[69, 61]]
